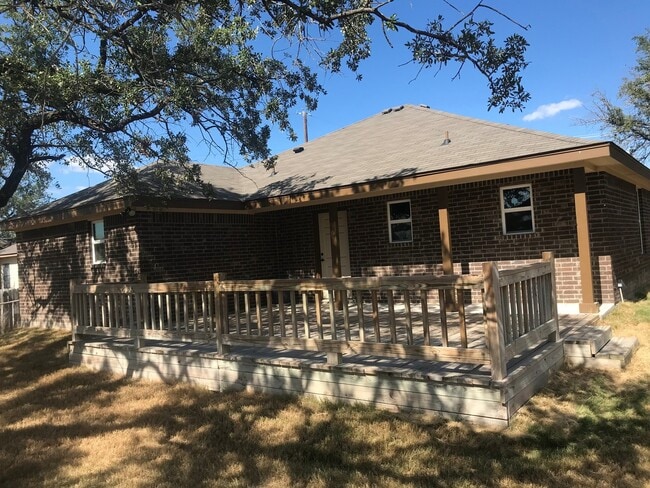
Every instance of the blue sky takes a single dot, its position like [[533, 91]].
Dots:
[[577, 48]]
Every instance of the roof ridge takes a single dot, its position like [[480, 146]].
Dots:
[[509, 127]]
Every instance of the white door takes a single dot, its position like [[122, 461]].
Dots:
[[327, 263]]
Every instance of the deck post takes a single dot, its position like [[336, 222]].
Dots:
[[442, 194], [218, 314], [588, 303], [494, 333], [550, 258]]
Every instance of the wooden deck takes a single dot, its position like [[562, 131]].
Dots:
[[400, 342], [452, 390]]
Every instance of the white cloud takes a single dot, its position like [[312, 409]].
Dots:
[[552, 109]]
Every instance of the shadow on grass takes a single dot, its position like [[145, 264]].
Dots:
[[62, 425]]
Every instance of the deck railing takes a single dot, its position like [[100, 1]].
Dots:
[[379, 316]]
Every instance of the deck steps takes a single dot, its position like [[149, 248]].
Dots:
[[594, 347]]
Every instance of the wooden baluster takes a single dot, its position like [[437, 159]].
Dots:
[[375, 315], [235, 297], [110, 310], [305, 314], [346, 315], [258, 310], [212, 306], [332, 300], [281, 314], [319, 315], [505, 306], [225, 321], [444, 334], [269, 309], [123, 305], [204, 310], [514, 317], [521, 319], [552, 307], [138, 318], [391, 317], [409, 320], [425, 317], [195, 312], [186, 312], [167, 302], [460, 301], [177, 311], [247, 311], [159, 311], [133, 324], [362, 325], [294, 318]]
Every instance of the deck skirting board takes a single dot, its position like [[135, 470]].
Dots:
[[457, 395]]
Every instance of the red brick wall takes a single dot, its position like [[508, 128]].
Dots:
[[372, 253], [475, 214], [193, 246], [616, 234], [296, 234], [50, 257]]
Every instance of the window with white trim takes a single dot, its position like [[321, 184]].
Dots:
[[400, 225], [517, 209], [97, 242]]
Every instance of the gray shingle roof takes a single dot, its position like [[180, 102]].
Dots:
[[404, 141], [399, 143]]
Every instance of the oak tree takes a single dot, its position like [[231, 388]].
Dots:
[[112, 83]]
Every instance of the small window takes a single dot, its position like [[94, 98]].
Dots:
[[400, 226], [517, 209], [97, 242]]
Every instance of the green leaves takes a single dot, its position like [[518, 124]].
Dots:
[[115, 83], [630, 125]]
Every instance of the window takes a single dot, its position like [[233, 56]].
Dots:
[[517, 209], [97, 242], [400, 226]]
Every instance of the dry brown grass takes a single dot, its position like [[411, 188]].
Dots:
[[68, 426]]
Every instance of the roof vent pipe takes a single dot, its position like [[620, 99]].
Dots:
[[447, 140]]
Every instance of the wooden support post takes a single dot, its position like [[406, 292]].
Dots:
[[494, 333], [442, 194], [550, 258], [588, 304], [335, 244], [218, 314]]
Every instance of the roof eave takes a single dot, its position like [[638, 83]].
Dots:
[[590, 156]]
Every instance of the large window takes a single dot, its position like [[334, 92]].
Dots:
[[517, 209], [400, 226], [97, 242]]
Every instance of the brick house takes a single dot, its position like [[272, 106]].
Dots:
[[407, 191]]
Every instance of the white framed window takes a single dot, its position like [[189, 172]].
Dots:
[[517, 214], [97, 242], [400, 225]]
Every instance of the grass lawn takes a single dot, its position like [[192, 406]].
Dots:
[[68, 426]]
